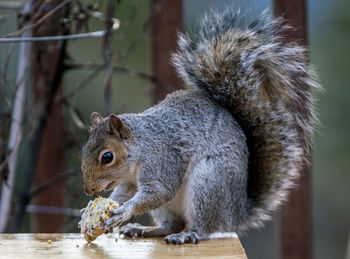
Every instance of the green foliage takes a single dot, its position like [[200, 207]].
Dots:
[[331, 53]]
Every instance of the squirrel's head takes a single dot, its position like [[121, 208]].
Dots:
[[105, 157]]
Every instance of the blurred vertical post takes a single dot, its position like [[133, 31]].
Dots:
[[295, 218], [16, 120], [109, 54], [166, 23], [49, 161]]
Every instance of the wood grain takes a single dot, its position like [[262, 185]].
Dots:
[[108, 246]]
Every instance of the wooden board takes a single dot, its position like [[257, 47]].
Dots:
[[109, 246]]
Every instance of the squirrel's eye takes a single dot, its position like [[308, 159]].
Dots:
[[107, 157]]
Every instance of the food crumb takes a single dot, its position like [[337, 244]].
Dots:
[[49, 241]]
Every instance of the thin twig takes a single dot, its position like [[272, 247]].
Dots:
[[79, 86], [9, 53], [37, 209], [13, 89], [77, 118], [130, 72], [145, 27], [54, 180], [7, 15], [39, 22], [10, 154], [127, 71], [65, 37]]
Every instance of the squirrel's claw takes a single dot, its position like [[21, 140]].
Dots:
[[120, 215], [181, 238]]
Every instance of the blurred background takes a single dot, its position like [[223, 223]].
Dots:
[[113, 74]]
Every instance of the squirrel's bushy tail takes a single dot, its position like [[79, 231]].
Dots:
[[264, 82]]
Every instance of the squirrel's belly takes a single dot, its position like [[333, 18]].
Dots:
[[178, 205]]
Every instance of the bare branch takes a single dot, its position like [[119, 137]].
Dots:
[[9, 53], [79, 86], [94, 34], [145, 28], [127, 71], [61, 177], [77, 118], [53, 210], [39, 22]]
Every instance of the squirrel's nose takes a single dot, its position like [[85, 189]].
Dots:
[[89, 191]]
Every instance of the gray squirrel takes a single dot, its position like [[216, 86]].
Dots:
[[220, 157]]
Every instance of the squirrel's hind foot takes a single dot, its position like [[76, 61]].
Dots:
[[135, 229], [181, 238]]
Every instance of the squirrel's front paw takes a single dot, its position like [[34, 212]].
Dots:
[[120, 215]]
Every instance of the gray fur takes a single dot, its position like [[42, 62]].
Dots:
[[186, 159], [264, 83], [188, 141]]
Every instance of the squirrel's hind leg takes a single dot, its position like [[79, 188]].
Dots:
[[166, 223], [216, 194], [136, 229]]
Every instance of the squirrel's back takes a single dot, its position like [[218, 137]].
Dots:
[[186, 120], [264, 83]]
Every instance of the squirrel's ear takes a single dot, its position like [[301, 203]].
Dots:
[[95, 119], [117, 127]]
